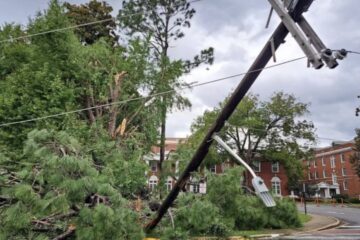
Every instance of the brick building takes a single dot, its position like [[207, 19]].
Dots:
[[153, 159], [331, 172], [273, 174]]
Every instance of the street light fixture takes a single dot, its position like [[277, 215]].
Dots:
[[258, 183]]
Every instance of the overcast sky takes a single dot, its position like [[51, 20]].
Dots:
[[235, 28]]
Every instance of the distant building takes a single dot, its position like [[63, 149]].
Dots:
[[273, 174], [153, 159], [331, 172]]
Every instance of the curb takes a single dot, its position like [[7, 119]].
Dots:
[[331, 225]]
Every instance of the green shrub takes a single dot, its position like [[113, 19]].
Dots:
[[250, 214], [284, 215], [199, 217], [354, 200], [174, 234], [338, 197]]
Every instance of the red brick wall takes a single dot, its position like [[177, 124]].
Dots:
[[353, 181], [266, 174]]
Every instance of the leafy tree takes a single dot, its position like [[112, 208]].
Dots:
[[93, 11], [163, 22], [54, 73], [355, 158], [274, 129], [36, 80], [60, 190]]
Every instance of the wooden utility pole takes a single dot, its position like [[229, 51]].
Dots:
[[289, 17]]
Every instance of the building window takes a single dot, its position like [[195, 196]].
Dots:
[[345, 185], [316, 175], [323, 161], [308, 163], [342, 158], [153, 181], [213, 169], [168, 184], [276, 186], [196, 188], [324, 174], [334, 178], [275, 167], [154, 166], [343, 171], [309, 175], [332, 161], [256, 166], [314, 163]]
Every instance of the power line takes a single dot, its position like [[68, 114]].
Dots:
[[150, 96], [72, 27], [355, 52], [56, 30]]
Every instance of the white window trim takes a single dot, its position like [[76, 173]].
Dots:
[[168, 185], [334, 178], [153, 164], [277, 167], [345, 185], [342, 158], [213, 169], [259, 166], [343, 172], [276, 186], [309, 175], [323, 163], [314, 163], [324, 174], [332, 162], [316, 175], [153, 182]]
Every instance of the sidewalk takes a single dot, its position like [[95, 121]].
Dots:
[[317, 223]]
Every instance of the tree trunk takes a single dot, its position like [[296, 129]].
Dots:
[[114, 96], [90, 111]]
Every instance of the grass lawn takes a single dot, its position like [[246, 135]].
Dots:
[[304, 217], [247, 233]]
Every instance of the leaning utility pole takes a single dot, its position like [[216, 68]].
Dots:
[[290, 12]]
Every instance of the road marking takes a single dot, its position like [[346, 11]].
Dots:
[[336, 212]]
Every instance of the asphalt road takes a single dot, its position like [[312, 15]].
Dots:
[[348, 216], [348, 230]]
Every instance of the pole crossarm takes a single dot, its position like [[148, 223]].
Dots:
[[298, 35], [278, 37]]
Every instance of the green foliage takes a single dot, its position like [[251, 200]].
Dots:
[[244, 212], [60, 184], [275, 130], [174, 234], [199, 217], [106, 223], [161, 23], [93, 11], [224, 190], [250, 214]]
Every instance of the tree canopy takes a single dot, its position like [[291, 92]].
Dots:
[[275, 130]]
